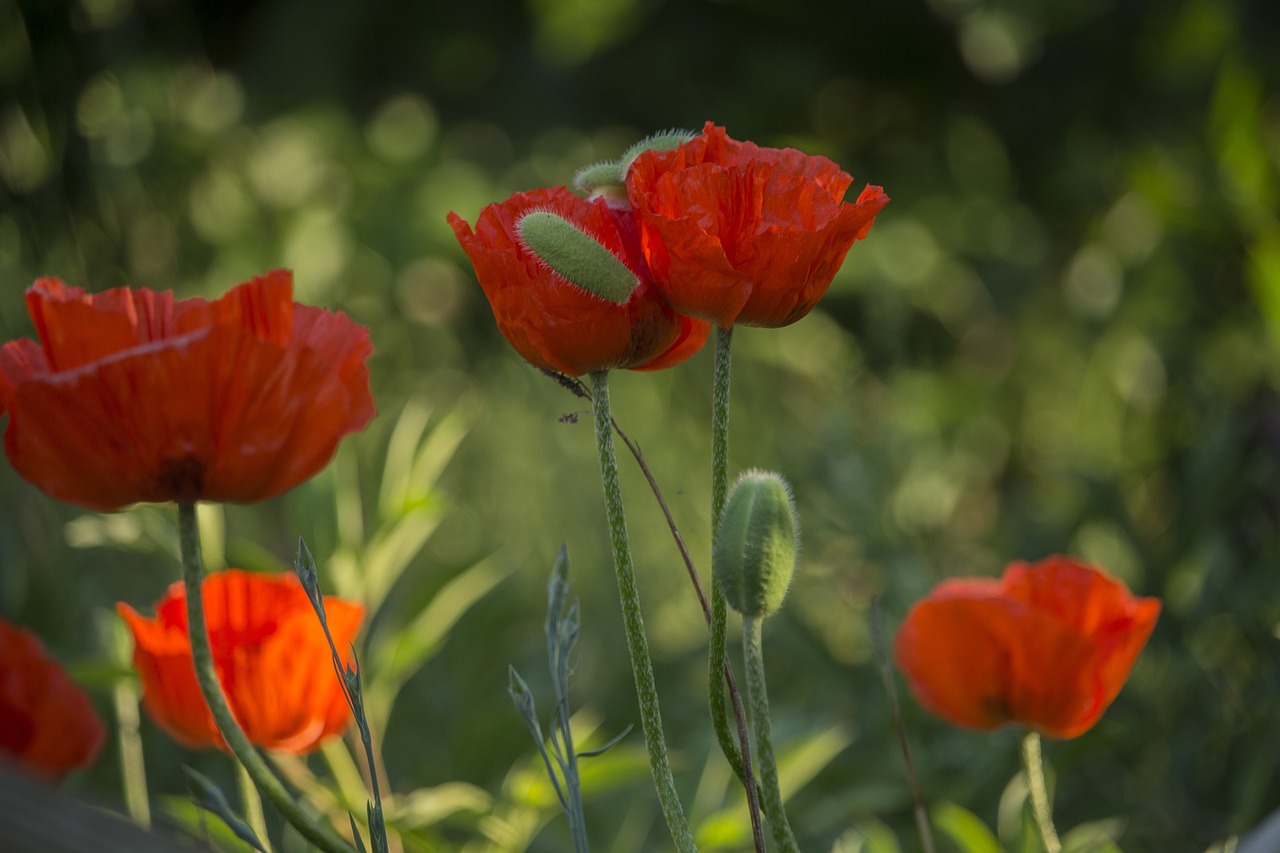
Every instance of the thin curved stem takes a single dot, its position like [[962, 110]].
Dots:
[[1039, 793], [904, 745], [719, 656], [637, 644], [266, 781], [758, 696]]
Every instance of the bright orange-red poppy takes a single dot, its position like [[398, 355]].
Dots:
[[737, 233], [131, 395], [1049, 646], [47, 723], [270, 654], [552, 322]]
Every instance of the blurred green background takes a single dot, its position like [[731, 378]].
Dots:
[[1060, 336]]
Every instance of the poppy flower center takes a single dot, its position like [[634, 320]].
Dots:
[[996, 707], [182, 479]]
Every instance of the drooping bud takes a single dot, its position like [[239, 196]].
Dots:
[[757, 544], [667, 140], [577, 256]]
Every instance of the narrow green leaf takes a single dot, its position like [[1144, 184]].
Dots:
[[210, 798], [964, 828]]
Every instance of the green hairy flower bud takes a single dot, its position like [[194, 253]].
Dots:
[[601, 179], [757, 544], [667, 140], [577, 256]]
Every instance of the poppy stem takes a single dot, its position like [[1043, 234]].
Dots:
[[1041, 808], [742, 769], [637, 644], [758, 697], [202, 657], [719, 655]]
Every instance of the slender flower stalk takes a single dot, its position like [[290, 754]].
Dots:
[[575, 386], [637, 645], [1041, 808], [758, 697], [904, 745], [719, 656], [202, 657]]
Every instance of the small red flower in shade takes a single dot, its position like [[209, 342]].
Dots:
[[555, 322], [270, 655], [131, 395], [1049, 646], [737, 233], [47, 724]]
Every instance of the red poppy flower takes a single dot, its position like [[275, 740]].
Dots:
[[47, 723], [270, 654], [131, 395], [1048, 645], [552, 322], [736, 233]]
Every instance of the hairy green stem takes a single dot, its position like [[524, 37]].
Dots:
[[758, 699], [1039, 793], [266, 781], [719, 655], [637, 644]]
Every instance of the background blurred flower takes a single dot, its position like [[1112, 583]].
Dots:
[[270, 654], [1048, 645], [737, 233], [131, 395], [556, 324], [46, 721]]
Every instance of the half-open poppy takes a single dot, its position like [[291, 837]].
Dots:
[[1049, 645], [737, 233], [269, 652], [131, 395], [47, 724], [555, 323]]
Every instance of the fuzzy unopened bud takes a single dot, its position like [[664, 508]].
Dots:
[[757, 544], [667, 140], [601, 179], [577, 256]]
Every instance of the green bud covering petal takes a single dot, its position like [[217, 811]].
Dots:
[[666, 140], [577, 256], [757, 544]]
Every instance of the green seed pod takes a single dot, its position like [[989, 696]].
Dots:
[[757, 544], [577, 256]]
